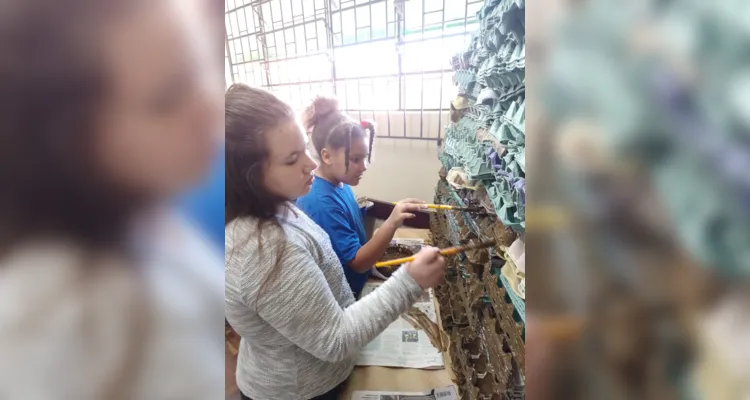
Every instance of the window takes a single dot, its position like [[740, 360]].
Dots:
[[374, 55]]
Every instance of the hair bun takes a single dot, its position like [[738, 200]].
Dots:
[[321, 107]]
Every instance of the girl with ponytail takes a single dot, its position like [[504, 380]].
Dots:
[[343, 147]]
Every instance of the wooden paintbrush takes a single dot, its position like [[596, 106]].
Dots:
[[454, 208], [444, 252], [441, 206]]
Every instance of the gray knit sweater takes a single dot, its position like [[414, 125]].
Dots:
[[302, 331]]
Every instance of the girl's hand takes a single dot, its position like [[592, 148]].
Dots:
[[404, 210], [428, 267]]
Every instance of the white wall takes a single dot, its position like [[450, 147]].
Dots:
[[402, 168]]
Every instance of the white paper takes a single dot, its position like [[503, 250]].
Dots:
[[517, 251], [446, 393], [401, 344]]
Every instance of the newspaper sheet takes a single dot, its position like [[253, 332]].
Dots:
[[446, 393], [414, 244], [401, 344]]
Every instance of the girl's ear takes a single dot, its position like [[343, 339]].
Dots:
[[325, 156]]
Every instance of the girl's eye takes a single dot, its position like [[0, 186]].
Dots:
[[292, 160]]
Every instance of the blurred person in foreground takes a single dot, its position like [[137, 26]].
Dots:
[[204, 205], [106, 113]]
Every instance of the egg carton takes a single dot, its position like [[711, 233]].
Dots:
[[512, 24], [500, 7], [509, 163], [499, 352], [513, 93], [461, 60], [509, 202], [485, 387], [459, 358], [478, 256], [464, 78], [512, 55], [469, 298], [502, 79], [509, 121], [497, 73], [478, 56], [504, 236]]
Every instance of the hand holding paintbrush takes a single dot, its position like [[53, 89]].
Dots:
[[427, 267], [445, 252]]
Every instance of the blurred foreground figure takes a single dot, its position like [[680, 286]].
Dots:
[[641, 128], [204, 206], [105, 115]]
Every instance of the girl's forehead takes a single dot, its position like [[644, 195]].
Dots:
[[285, 138], [359, 146]]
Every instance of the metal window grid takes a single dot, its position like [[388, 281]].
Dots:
[[386, 59]]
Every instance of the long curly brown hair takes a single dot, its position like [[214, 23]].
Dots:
[[249, 114]]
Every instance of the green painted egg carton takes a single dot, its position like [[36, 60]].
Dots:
[[504, 79], [512, 56], [450, 145], [507, 134], [509, 207], [464, 77], [494, 7], [512, 25], [477, 89], [477, 169], [461, 60], [470, 157], [514, 159], [447, 160], [464, 130], [478, 113], [477, 58], [509, 128], [512, 93], [487, 96]]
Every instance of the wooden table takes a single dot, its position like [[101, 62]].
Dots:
[[399, 379]]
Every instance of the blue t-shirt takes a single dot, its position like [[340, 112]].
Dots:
[[335, 209]]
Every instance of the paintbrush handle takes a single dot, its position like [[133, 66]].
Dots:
[[438, 206], [445, 252], [395, 262], [441, 207]]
